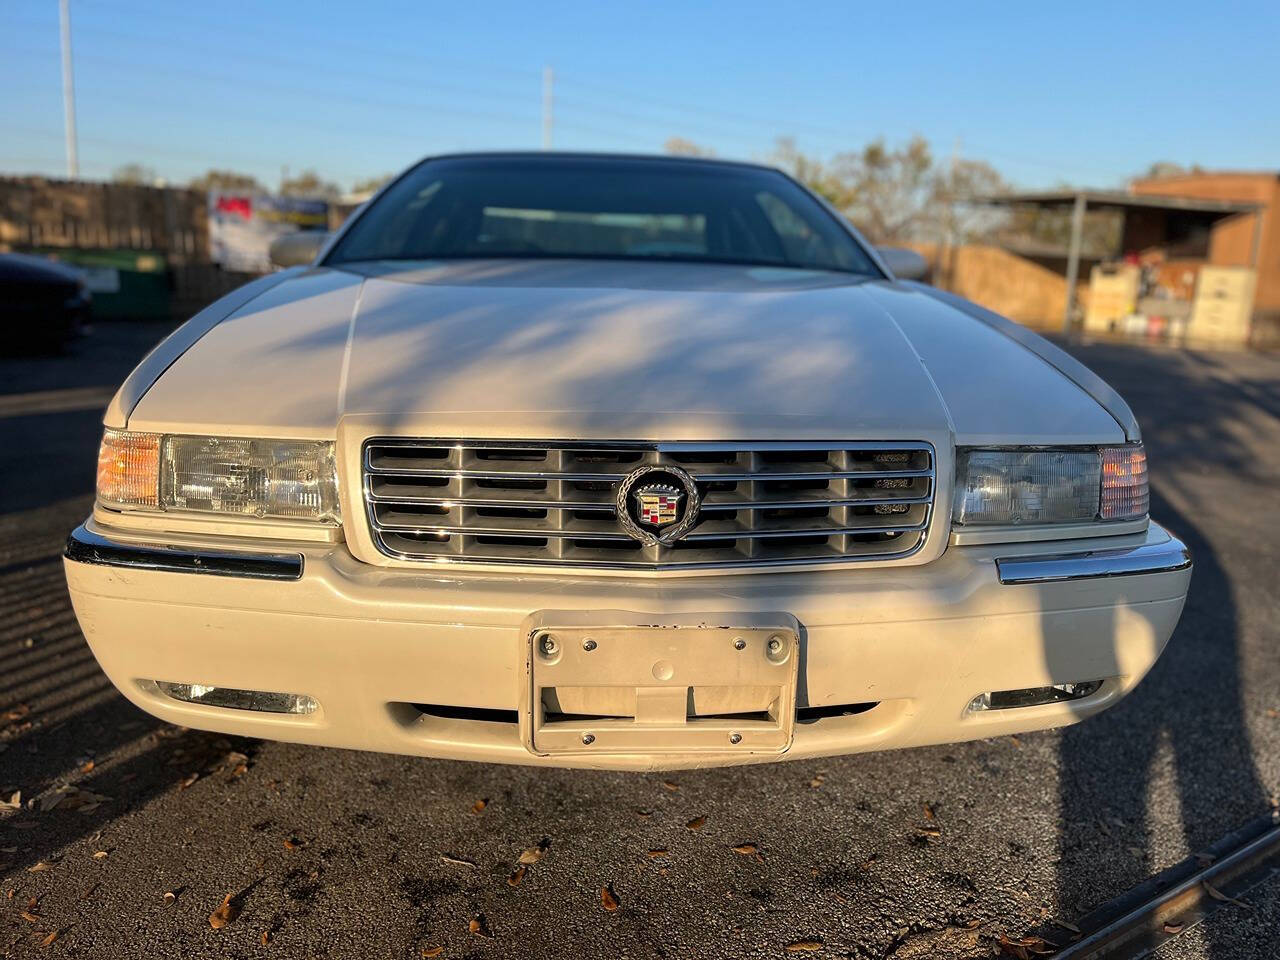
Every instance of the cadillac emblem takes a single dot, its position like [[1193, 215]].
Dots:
[[657, 505]]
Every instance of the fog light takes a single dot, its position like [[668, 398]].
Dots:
[[233, 699], [1033, 696]]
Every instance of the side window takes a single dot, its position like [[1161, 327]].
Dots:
[[799, 240]]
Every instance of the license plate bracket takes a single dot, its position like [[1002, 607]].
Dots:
[[659, 667]]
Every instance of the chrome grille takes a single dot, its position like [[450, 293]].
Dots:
[[496, 501]]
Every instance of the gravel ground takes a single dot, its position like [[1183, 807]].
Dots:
[[924, 853]]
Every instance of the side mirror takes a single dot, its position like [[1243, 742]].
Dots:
[[297, 249], [903, 263]]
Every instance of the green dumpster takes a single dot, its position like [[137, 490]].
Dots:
[[126, 284]]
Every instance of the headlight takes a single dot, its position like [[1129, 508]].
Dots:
[[1051, 486], [281, 479]]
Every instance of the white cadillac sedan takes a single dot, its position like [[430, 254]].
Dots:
[[627, 462]]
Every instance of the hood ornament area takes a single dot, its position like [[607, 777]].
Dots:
[[657, 505]]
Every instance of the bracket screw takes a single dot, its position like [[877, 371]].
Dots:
[[775, 646], [549, 645], [739, 644], [588, 644], [735, 738], [588, 739]]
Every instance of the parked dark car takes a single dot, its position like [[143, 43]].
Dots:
[[43, 304]]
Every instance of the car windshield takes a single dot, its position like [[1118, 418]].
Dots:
[[600, 207]]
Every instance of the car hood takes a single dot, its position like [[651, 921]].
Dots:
[[614, 350]]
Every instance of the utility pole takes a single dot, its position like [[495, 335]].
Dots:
[[68, 90], [548, 81]]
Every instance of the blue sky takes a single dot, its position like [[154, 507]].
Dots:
[[1048, 93]]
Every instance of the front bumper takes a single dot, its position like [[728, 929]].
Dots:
[[373, 645]]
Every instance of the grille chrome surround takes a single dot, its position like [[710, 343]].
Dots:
[[551, 503]]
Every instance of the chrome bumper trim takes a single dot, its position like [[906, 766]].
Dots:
[[1129, 561], [85, 546]]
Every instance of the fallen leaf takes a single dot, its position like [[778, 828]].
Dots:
[[1272, 712], [170, 898], [51, 802], [1222, 897], [14, 802], [29, 916], [533, 854], [188, 781], [1065, 924], [266, 937], [1015, 741], [100, 854], [517, 875], [240, 770], [479, 805], [1173, 928], [929, 832], [746, 849], [928, 812], [608, 899], [670, 786], [225, 913], [432, 951], [1026, 947], [479, 926], [293, 843], [804, 946], [696, 823], [40, 867], [88, 767], [658, 852], [816, 781], [51, 936], [457, 861]]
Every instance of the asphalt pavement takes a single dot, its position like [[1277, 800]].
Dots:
[[127, 834]]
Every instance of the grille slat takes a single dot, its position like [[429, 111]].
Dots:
[[553, 503]]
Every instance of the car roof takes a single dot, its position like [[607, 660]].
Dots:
[[553, 157], [27, 267]]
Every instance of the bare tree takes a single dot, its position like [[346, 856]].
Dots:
[[899, 194], [136, 174], [679, 146], [371, 184], [310, 184], [227, 180]]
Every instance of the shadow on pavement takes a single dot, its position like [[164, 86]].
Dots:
[[64, 731], [1186, 724]]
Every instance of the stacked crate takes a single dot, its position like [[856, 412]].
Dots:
[[1223, 304]]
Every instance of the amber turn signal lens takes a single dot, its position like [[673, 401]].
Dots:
[[1124, 483], [129, 469]]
